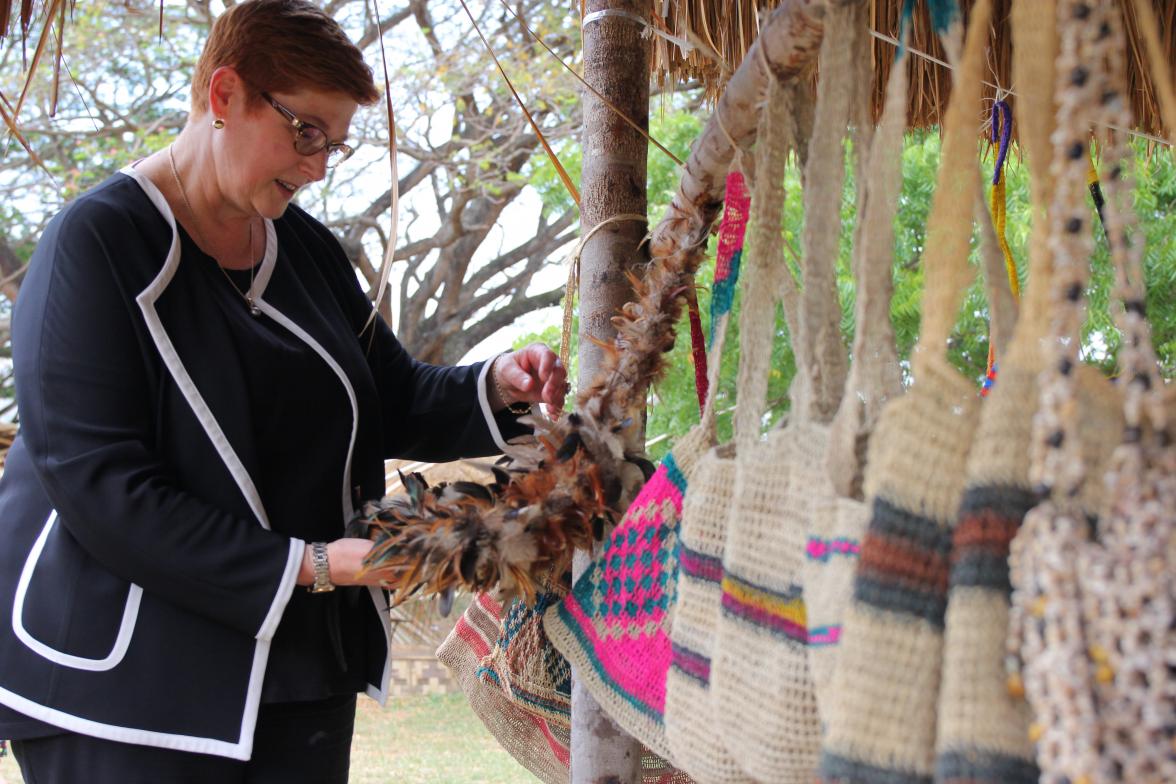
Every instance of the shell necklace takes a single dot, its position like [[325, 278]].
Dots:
[[254, 310]]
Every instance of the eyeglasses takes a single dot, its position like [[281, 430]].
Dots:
[[310, 139]]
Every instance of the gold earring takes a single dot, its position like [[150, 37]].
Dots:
[[218, 123]]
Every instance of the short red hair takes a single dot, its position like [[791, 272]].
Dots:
[[283, 46]]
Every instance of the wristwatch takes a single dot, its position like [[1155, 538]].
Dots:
[[322, 568]]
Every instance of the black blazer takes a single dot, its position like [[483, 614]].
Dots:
[[145, 567]]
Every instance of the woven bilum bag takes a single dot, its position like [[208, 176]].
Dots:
[[882, 721], [539, 745], [655, 770], [834, 530], [1094, 599], [705, 505], [983, 729], [767, 707], [694, 744], [614, 625], [691, 711], [523, 663]]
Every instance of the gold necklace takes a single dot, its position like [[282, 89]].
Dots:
[[254, 310]]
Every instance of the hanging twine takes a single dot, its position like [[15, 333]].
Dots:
[[569, 310]]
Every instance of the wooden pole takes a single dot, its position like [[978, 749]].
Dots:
[[613, 183]]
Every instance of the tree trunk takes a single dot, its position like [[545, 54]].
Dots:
[[613, 183]]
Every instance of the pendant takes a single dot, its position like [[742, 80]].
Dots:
[[253, 309]]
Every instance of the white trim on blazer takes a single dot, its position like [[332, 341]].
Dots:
[[126, 627]]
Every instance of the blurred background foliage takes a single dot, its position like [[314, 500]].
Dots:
[[673, 405]]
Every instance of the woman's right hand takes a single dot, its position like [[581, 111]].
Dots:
[[345, 560]]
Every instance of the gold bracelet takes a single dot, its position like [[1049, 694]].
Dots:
[[513, 408]]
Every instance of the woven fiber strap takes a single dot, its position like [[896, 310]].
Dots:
[[539, 746], [819, 349], [614, 626], [730, 251], [691, 720], [882, 723], [736, 211], [874, 377]]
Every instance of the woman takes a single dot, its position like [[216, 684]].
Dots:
[[204, 401]]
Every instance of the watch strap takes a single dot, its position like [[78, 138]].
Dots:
[[322, 568]]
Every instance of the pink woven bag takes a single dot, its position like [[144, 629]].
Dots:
[[614, 625]]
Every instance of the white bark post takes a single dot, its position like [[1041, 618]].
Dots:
[[616, 62]]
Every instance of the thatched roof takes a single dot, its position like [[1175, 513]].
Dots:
[[722, 30]]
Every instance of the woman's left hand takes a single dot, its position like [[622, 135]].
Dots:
[[532, 374]]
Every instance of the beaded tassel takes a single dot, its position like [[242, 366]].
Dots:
[[1045, 618], [1128, 581]]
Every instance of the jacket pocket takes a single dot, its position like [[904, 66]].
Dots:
[[90, 614]]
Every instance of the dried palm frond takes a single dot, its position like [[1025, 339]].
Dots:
[[560, 489], [706, 40]]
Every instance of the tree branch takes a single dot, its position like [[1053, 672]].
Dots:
[[458, 341]]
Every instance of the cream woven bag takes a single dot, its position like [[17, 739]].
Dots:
[[834, 532], [767, 706], [882, 721], [695, 747], [689, 710], [691, 715], [983, 730]]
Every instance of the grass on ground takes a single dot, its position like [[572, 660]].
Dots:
[[415, 740]]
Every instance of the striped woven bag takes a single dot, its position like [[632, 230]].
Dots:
[[692, 718], [761, 682], [983, 729], [881, 724], [539, 745], [614, 625], [834, 532]]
